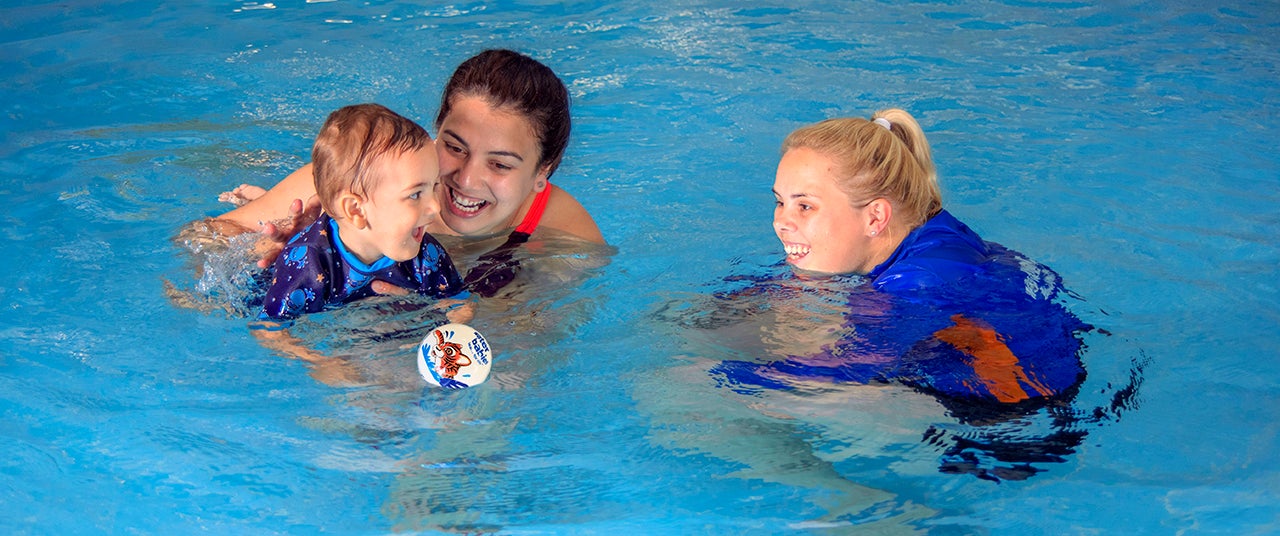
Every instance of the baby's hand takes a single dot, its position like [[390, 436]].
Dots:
[[383, 288], [458, 311]]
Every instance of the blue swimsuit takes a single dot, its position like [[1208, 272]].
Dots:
[[940, 251], [954, 315], [979, 327], [315, 270]]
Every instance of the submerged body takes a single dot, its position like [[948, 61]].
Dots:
[[948, 313], [974, 326]]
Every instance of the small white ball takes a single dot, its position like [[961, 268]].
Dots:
[[454, 356]]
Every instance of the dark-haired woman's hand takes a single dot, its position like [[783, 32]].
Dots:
[[275, 234]]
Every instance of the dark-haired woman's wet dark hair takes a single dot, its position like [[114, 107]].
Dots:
[[510, 80]]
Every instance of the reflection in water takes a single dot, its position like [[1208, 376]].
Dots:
[[773, 437], [999, 369]]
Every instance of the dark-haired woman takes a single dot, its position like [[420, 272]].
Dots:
[[502, 130]]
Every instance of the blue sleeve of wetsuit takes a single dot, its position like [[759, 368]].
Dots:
[[905, 276], [299, 286], [436, 273]]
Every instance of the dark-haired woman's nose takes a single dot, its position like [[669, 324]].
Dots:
[[469, 175]]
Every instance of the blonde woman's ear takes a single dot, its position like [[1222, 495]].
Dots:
[[878, 214]]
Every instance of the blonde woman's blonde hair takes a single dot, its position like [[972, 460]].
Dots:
[[874, 161]]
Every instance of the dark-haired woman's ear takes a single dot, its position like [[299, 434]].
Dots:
[[540, 181]]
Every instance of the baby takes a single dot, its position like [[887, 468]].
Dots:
[[375, 174]]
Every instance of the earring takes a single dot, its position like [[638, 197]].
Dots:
[[873, 233]]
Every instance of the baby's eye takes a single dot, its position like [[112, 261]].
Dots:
[[415, 195]]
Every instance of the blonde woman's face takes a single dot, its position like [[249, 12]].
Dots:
[[819, 228]]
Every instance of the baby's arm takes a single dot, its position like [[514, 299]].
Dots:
[[299, 286], [296, 290], [326, 369], [457, 311], [439, 277]]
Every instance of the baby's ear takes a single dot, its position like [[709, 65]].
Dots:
[[351, 208]]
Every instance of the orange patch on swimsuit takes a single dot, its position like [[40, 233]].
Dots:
[[993, 362]]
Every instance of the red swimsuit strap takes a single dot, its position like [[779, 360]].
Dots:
[[534, 215], [497, 268]]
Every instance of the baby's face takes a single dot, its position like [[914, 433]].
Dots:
[[403, 203]]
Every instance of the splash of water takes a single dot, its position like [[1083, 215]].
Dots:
[[226, 275]]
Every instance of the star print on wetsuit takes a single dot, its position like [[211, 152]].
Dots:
[[316, 271]]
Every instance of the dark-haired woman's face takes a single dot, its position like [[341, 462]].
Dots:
[[488, 167]]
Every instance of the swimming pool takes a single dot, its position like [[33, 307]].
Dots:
[[1129, 147]]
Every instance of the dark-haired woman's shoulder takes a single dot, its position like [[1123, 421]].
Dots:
[[566, 214]]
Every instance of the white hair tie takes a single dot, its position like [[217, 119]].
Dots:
[[883, 122]]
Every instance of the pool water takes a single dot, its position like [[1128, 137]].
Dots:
[[1128, 146]]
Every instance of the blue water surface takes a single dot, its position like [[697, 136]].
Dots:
[[1128, 145]]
